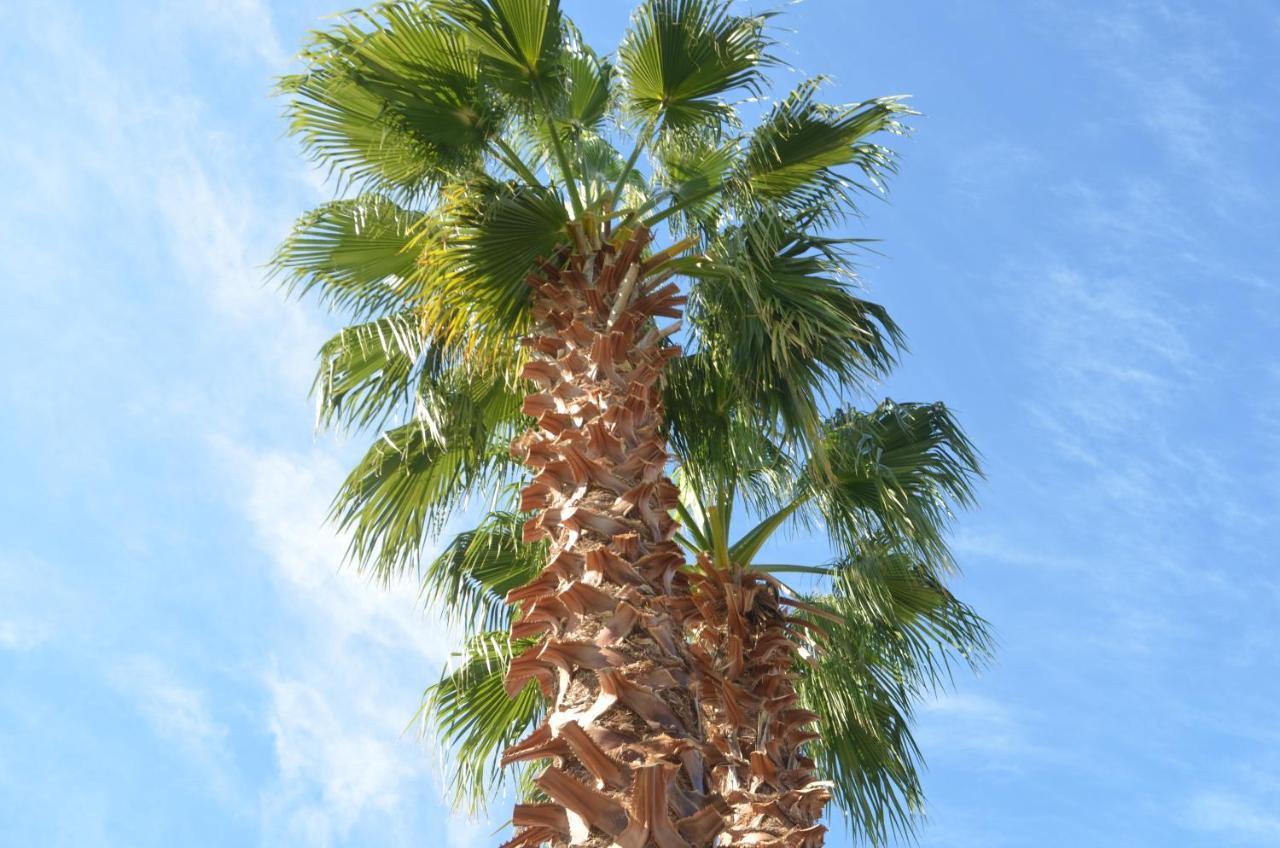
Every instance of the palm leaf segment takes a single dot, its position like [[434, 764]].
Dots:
[[481, 139]]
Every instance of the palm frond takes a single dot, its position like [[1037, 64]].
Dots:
[[897, 471], [681, 58], [354, 254], [367, 371], [416, 475], [795, 156], [598, 166], [865, 747], [471, 714], [586, 83], [777, 317], [721, 443], [518, 41], [393, 98], [473, 265], [470, 578], [885, 588], [693, 171], [891, 632]]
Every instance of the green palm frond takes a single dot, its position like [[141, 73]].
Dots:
[[518, 41], [884, 588], [865, 747], [891, 631], [693, 172], [599, 167], [897, 471], [474, 718], [472, 266], [418, 474], [681, 58], [776, 317], [470, 578], [574, 112], [393, 98], [892, 475], [354, 254], [721, 443], [367, 371], [587, 84], [794, 156]]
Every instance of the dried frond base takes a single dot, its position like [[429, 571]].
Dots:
[[622, 732]]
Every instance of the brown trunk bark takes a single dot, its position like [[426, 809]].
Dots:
[[622, 735], [672, 717], [745, 649]]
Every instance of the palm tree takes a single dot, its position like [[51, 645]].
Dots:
[[491, 237]]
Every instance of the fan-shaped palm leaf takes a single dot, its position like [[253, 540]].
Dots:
[[475, 719], [680, 58], [416, 475], [393, 98], [353, 254], [776, 318], [366, 371], [794, 156]]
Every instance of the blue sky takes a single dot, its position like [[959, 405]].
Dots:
[[1081, 245]]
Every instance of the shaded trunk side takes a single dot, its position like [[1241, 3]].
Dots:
[[746, 650], [622, 732]]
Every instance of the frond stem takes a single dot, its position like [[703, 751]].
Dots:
[[788, 568], [692, 526], [642, 141], [681, 205], [509, 157], [570, 184]]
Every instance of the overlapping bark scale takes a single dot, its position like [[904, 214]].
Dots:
[[621, 734], [746, 648]]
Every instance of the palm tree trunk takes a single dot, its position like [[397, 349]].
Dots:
[[623, 732], [746, 651]]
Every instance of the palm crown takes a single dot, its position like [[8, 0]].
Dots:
[[480, 146]]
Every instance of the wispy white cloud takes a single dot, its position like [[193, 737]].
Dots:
[[177, 711], [987, 733], [336, 764], [1116, 350], [286, 499], [1115, 363], [1174, 65], [347, 671], [23, 635], [1241, 819], [38, 603], [180, 714], [343, 671], [241, 26]]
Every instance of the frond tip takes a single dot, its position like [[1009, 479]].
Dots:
[[366, 371], [898, 471], [393, 100], [778, 317], [796, 155], [890, 632]]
